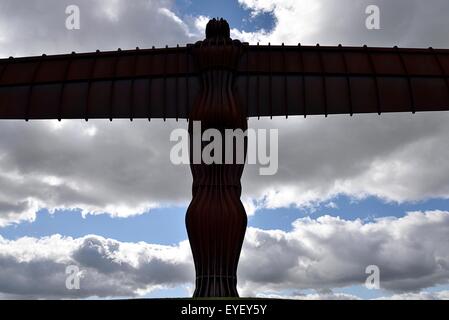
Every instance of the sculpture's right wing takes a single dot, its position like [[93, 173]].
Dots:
[[315, 80]]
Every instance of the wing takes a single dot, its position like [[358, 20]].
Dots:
[[154, 83], [296, 80], [270, 81]]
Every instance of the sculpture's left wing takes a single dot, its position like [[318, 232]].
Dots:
[[150, 83]]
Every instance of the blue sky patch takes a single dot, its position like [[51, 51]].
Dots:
[[237, 16], [166, 226]]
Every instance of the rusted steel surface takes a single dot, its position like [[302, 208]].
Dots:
[[216, 219], [316, 80], [154, 83], [271, 80]]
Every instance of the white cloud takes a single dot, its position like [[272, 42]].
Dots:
[[123, 168], [39, 26], [118, 168], [328, 252], [329, 22], [201, 22], [312, 296], [331, 205], [36, 267], [396, 157], [294, 20], [330, 295], [320, 254], [425, 295]]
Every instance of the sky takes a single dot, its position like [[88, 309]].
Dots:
[[350, 191]]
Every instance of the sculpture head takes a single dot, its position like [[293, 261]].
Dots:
[[217, 29]]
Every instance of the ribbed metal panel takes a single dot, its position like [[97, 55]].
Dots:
[[298, 80], [270, 81], [154, 83]]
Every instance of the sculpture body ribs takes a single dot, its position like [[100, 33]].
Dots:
[[216, 219]]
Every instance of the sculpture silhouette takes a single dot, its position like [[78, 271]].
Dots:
[[216, 220]]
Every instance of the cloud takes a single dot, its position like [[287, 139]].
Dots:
[[423, 295], [395, 157], [36, 268], [320, 254], [123, 169], [39, 26], [329, 22], [439, 295], [312, 296], [329, 252]]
